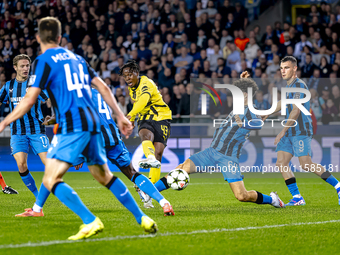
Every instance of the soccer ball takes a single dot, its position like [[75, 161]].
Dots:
[[178, 179]]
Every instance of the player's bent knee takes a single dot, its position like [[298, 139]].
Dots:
[[146, 135], [22, 167], [49, 182], [306, 166], [242, 197], [128, 171], [104, 180]]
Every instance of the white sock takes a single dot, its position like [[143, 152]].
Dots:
[[298, 196], [337, 186], [151, 157], [36, 208], [163, 202]]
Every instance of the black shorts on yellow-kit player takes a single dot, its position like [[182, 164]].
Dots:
[[154, 115]]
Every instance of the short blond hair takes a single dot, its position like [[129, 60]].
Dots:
[[20, 57]]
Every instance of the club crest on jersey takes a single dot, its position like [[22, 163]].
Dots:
[[31, 80]]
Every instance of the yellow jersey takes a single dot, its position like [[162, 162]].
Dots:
[[149, 103]]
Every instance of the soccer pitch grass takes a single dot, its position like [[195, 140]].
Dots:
[[208, 219]]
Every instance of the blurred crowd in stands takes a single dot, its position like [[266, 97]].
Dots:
[[176, 41]]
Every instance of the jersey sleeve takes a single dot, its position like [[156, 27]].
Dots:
[[43, 96], [40, 74], [147, 88], [3, 94]]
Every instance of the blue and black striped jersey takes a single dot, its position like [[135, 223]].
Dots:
[[31, 123], [67, 79], [229, 139], [304, 122], [110, 132]]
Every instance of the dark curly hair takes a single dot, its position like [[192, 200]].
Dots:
[[134, 67], [246, 83]]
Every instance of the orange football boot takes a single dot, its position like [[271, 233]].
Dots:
[[168, 211], [30, 213]]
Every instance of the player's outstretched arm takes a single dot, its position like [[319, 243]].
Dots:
[[123, 123], [294, 114], [23, 107], [245, 74]]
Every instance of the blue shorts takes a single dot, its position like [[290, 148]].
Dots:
[[211, 159], [298, 146], [21, 143], [70, 147], [118, 155]]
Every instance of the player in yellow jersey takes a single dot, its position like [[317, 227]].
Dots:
[[154, 118]]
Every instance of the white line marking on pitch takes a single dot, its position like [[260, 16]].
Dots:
[[206, 183], [201, 231]]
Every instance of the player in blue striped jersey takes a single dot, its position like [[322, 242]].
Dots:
[[224, 152], [27, 131], [67, 78], [116, 152], [296, 141]]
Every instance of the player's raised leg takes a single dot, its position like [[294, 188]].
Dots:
[[308, 165], [149, 190], [147, 138], [283, 159], [155, 173], [27, 178], [6, 189], [161, 135], [120, 156]]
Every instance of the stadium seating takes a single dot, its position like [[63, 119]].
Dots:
[[108, 33]]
